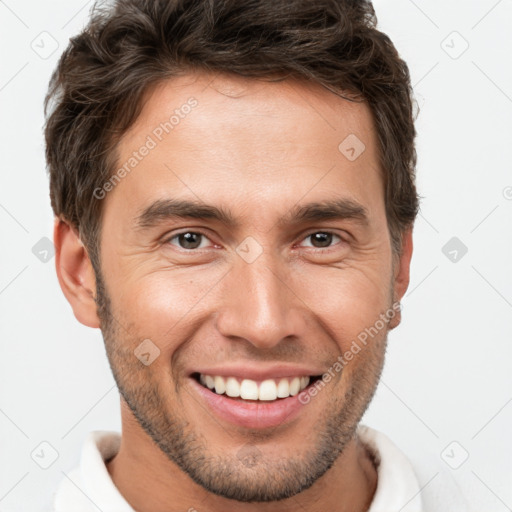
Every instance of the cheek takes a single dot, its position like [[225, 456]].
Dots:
[[159, 303], [347, 301]]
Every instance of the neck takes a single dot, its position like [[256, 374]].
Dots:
[[149, 481]]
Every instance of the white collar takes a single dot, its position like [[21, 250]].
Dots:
[[397, 485]]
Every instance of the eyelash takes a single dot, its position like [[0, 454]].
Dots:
[[168, 240]]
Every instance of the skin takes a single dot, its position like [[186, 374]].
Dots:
[[257, 149]]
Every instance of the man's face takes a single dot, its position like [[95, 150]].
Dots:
[[277, 288]]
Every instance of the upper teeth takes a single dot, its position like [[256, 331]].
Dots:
[[248, 389]]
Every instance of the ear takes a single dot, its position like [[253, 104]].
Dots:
[[401, 270], [75, 273]]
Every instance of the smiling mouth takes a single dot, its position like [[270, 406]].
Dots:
[[248, 390]]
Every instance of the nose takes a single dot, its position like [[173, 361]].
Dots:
[[259, 304]]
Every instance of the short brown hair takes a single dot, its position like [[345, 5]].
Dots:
[[97, 89]]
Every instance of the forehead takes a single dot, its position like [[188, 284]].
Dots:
[[228, 135], [229, 105]]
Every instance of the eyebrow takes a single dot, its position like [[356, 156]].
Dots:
[[336, 209], [169, 209]]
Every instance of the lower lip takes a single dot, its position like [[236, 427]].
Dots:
[[254, 414]]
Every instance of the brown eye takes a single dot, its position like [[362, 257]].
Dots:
[[321, 239], [188, 240]]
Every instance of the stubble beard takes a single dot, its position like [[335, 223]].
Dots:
[[251, 478]]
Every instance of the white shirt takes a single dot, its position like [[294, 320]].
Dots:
[[89, 488]]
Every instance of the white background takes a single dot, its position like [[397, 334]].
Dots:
[[448, 371]]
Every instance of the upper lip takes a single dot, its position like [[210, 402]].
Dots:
[[259, 373]]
